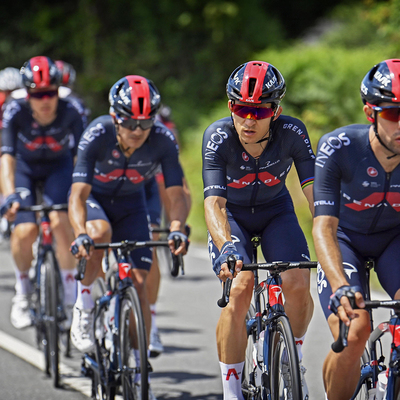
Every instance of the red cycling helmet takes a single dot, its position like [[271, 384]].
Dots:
[[134, 96], [382, 83], [67, 71], [256, 82], [40, 72]]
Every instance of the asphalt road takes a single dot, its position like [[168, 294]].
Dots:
[[187, 317]]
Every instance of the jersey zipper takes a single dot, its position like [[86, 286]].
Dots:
[[255, 190], [382, 203]]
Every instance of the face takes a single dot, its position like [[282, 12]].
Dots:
[[249, 129], [132, 139], [389, 131], [44, 101]]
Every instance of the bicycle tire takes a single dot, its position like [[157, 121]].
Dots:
[[250, 390], [283, 363], [365, 384], [51, 315], [132, 335], [101, 387]]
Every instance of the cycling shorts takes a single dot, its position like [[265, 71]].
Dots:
[[128, 218], [281, 236], [153, 201], [356, 248], [54, 177]]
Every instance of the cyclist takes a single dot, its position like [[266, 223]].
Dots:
[[246, 159], [36, 148], [66, 89], [357, 187], [116, 154]]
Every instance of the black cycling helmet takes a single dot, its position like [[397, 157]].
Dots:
[[256, 82], [134, 96], [67, 72], [40, 72], [382, 83]]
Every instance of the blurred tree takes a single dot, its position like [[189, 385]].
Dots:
[[186, 46]]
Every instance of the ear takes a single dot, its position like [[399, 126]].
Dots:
[[230, 104], [369, 113], [278, 112]]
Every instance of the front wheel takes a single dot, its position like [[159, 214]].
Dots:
[[133, 348], [285, 380], [51, 315]]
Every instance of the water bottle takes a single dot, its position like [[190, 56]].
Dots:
[[260, 352], [381, 386], [109, 325]]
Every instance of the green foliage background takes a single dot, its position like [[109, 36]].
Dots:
[[323, 82], [189, 48]]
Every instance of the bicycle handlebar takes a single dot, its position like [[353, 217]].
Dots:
[[45, 207], [276, 266], [341, 341], [126, 245]]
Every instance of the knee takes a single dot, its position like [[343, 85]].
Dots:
[[297, 285], [25, 232]]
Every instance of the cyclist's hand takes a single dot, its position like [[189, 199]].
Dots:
[[344, 300], [78, 248], [220, 266], [184, 243], [10, 207]]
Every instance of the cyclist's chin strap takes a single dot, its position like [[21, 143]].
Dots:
[[124, 150], [375, 125]]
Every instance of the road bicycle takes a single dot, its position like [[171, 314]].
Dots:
[[119, 361], [373, 367], [46, 301], [271, 369]]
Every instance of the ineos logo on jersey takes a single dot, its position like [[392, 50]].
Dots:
[[213, 144], [245, 157], [328, 147], [90, 135], [372, 172]]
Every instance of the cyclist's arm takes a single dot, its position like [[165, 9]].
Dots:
[[178, 213], [77, 208], [219, 229], [308, 193], [330, 257], [7, 174]]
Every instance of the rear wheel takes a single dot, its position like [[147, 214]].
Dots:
[[285, 381], [133, 348], [51, 315]]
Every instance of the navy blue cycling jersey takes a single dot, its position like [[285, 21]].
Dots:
[[102, 164], [351, 184], [24, 138], [230, 172]]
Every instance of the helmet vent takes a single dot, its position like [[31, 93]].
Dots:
[[252, 85], [141, 101]]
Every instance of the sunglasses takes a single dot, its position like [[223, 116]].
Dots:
[[389, 113], [132, 123], [252, 112], [41, 95]]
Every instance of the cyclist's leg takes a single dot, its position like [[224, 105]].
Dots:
[[387, 270], [231, 328], [22, 239], [99, 229], [341, 371], [283, 240]]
